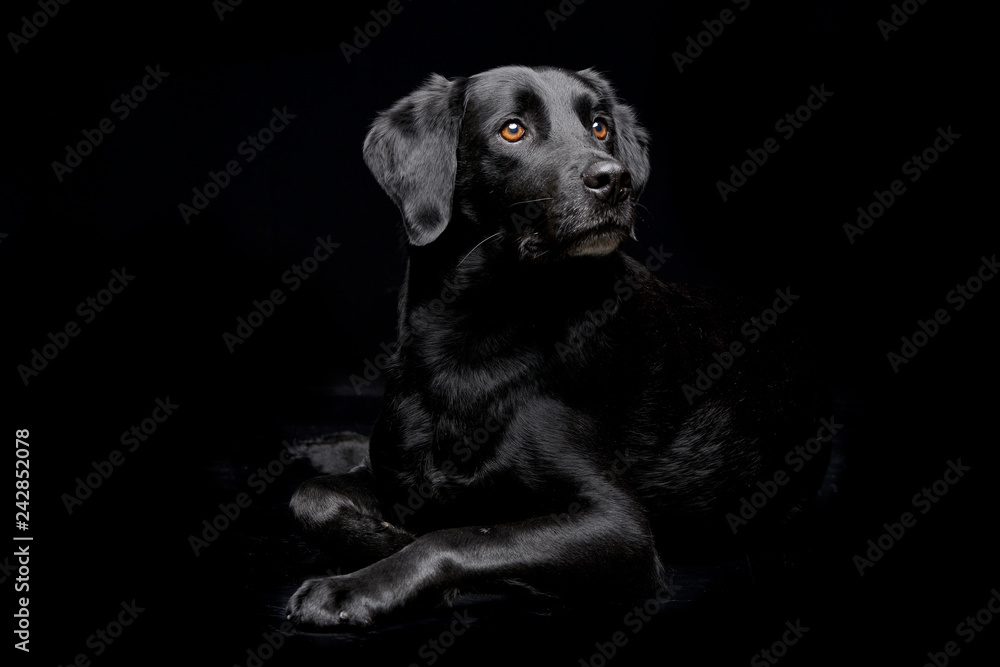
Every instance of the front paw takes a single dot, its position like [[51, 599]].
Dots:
[[335, 601]]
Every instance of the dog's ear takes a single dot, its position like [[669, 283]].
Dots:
[[411, 150], [631, 140]]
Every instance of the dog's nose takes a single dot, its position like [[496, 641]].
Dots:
[[609, 180]]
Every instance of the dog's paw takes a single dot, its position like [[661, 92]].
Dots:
[[334, 601]]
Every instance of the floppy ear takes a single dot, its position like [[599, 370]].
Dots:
[[411, 150], [631, 140]]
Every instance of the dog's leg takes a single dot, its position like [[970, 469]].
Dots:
[[604, 550], [340, 513]]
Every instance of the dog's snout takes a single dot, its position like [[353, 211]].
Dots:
[[608, 180]]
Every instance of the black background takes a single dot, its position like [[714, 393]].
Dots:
[[162, 336]]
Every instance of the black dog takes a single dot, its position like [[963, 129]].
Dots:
[[536, 431]]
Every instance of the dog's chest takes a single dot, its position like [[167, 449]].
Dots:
[[451, 443], [455, 477]]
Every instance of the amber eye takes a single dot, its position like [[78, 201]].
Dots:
[[600, 129], [512, 131]]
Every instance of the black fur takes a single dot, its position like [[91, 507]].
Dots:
[[520, 444]]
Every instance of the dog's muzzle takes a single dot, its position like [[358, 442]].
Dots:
[[610, 183]]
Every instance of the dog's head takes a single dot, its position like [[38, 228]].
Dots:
[[548, 160]]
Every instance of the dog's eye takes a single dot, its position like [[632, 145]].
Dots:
[[600, 128], [512, 131]]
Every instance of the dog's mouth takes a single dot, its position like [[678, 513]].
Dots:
[[597, 242], [573, 228]]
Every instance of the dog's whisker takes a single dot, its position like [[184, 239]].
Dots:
[[645, 214], [479, 244], [530, 201]]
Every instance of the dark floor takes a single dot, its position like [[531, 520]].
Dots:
[[720, 612]]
